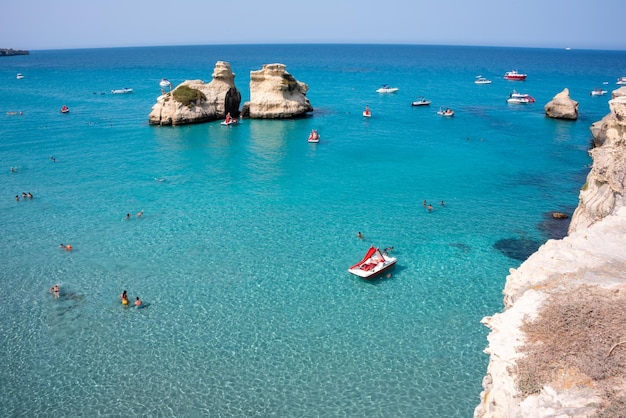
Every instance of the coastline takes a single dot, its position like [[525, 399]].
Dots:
[[586, 268], [11, 52]]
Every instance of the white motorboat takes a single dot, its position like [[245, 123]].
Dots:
[[621, 81], [165, 83], [374, 263], [421, 101], [520, 98], [386, 89], [19, 76], [122, 91], [598, 92], [481, 80]]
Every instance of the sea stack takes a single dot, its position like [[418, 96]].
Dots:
[[193, 101], [562, 106], [558, 348], [276, 94]]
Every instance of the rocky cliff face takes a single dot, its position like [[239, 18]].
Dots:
[[220, 97], [559, 349], [276, 94]]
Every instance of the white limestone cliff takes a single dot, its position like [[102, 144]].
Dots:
[[276, 94], [592, 255], [220, 97]]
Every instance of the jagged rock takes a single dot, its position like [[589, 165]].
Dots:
[[220, 97], [562, 106], [605, 190], [276, 94]]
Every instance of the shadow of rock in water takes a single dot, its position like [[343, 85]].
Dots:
[[517, 248]]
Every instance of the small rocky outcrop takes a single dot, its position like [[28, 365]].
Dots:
[[562, 106], [193, 101], [276, 94], [10, 52], [605, 190]]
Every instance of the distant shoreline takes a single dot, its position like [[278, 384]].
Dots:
[[10, 52]]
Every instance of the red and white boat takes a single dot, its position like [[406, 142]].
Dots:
[[515, 76], [314, 137], [229, 120], [516, 97], [373, 264], [65, 109]]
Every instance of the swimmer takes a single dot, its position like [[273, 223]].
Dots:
[[17, 198], [24, 196], [30, 196], [430, 208], [67, 247], [137, 302], [124, 297], [55, 290], [442, 204], [128, 216], [359, 235], [140, 214], [388, 250], [424, 202]]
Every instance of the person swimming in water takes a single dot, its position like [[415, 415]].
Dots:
[[55, 291], [124, 297], [138, 302]]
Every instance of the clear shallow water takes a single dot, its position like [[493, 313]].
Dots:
[[242, 252]]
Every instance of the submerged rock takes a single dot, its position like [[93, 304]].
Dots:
[[562, 106], [193, 101], [276, 94]]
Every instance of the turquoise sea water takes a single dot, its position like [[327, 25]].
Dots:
[[242, 253]]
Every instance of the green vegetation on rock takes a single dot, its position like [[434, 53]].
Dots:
[[188, 96]]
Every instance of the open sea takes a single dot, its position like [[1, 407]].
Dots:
[[242, 252]]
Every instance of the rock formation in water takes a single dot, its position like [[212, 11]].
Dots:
[[276, 94], [562, 106], [197, 102], [559, 347], [10, 52]]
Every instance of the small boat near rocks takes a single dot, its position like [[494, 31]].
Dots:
[[598, 92], [314, 137], [520, 98]]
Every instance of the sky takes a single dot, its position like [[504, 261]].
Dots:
[[69, 24]]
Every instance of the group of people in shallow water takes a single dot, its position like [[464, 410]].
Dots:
[[25, 195], [125, 302], [139, 214], [56, 292]]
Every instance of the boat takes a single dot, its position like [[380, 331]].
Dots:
[[421, 101], [65, 109], [621, 81], [229, 120], [515, 76], [165, 83], [386, 89], [481, 80], [374, 263], [520, 98], [19, 75], [598, 92], [367, 113], [314, 137], [445, 112], [122, 91]]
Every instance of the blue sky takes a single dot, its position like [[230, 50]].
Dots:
[[45, 24]]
